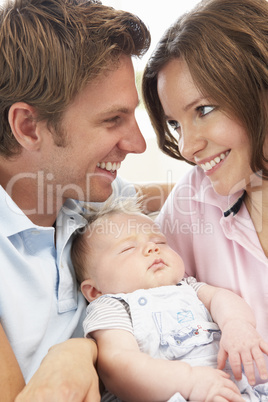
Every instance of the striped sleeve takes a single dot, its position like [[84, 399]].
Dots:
[[106, 313], [193, 282]]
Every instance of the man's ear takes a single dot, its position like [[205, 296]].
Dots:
[[21, 117], [89, 291]]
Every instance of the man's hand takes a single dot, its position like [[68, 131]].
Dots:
[[67, 374]]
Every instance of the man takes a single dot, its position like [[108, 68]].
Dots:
[[67, 103]]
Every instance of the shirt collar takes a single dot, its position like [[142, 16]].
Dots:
[[12, 218], [234, 209], [69, 219], [228, 204]]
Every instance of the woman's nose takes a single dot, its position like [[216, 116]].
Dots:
[[190, 143]]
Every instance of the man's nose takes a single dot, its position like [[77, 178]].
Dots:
[[133, 140]]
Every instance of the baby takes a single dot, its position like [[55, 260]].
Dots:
[[156, 332]]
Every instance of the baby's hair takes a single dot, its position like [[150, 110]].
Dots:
[[127, 205], [81, 245]]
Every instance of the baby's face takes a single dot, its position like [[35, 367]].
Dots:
[[128, 252]]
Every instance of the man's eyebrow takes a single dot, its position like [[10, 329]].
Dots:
[[116, 109]]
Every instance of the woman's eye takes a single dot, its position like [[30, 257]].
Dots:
[[204, 110], [174, 124]]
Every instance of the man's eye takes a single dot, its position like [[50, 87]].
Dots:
[[204, 110], [113, 120], [173, 124]]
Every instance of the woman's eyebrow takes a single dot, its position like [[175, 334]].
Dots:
[[188, 106], [193, 103]]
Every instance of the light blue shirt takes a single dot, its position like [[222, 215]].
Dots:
[[40, 304]]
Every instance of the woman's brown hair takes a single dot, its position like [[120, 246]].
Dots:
[[225, 45]]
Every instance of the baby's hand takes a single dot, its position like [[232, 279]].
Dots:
[[211, 385], [243, 345]]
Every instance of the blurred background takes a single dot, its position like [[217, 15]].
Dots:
[[152, 165]]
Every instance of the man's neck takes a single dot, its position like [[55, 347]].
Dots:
[[31, 194]]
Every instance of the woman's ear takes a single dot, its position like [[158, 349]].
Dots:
[[89, 291], [21, 117]]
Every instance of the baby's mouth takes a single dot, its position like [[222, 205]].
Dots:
[[158, 263]]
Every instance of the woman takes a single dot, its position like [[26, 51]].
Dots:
[[206, 91]]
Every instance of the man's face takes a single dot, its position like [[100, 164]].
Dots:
[[100, 129]]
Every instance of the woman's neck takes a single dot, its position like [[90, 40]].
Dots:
[[256, 201]]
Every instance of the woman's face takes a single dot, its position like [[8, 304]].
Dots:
[[206, 135]]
